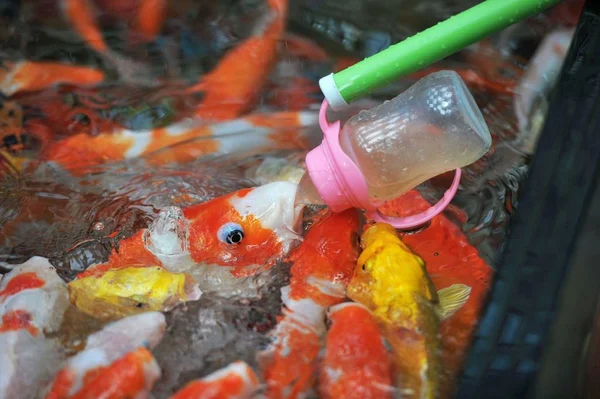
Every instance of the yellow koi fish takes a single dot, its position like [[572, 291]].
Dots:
[[393, 282], [120, 293]]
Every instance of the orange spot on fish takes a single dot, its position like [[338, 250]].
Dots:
[[21, 282], [124, 378], [18, 320], [231, 385], [80, 152], [205, 247], [131, 253]]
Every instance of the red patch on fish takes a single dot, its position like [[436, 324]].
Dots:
[[17, 320], [356, 363], [124, 378], [22, 282], [256, 248], [328, 254]]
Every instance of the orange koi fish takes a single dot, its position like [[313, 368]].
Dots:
[[450, 259], [232, 87], [356, 363], [115, 362], [236, 381], [322, 266], [33, 300], [240, 233], [27, 76]]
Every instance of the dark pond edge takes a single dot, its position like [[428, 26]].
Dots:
[[508, 350]]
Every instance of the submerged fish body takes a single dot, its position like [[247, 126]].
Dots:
[[236, 381], [356, 363], [241, 233], [33, 300], [393, 282], [115, 363]]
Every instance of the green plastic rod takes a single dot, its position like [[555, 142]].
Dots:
[[427, 47]]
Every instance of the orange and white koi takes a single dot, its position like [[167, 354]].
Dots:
[[187, 140], [236, 381], [237, 235], [356, 363], [392, 281], [33, 300], [115, 363], [322, 266]]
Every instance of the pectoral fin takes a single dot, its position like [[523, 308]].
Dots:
[[451, 299]]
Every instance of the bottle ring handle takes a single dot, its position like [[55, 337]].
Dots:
[[419, 219]]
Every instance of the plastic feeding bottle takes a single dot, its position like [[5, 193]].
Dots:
[[433, 127]]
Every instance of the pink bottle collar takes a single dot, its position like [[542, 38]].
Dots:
[[341, 184]]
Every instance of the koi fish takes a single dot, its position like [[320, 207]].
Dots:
[[356, 363], [392, 281], [321, 269], [237, 234], [236, 381], [115, 362], [187, 140], [232, 87], [450, 259], [33, 300], [120, 293]]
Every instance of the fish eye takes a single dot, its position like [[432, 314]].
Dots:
[[231, 233]]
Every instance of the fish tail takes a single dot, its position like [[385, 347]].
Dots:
[[235, 381], [80, 14]]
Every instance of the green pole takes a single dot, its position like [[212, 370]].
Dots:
[[427, 47]]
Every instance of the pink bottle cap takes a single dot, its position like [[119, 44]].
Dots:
[[341, 184]]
